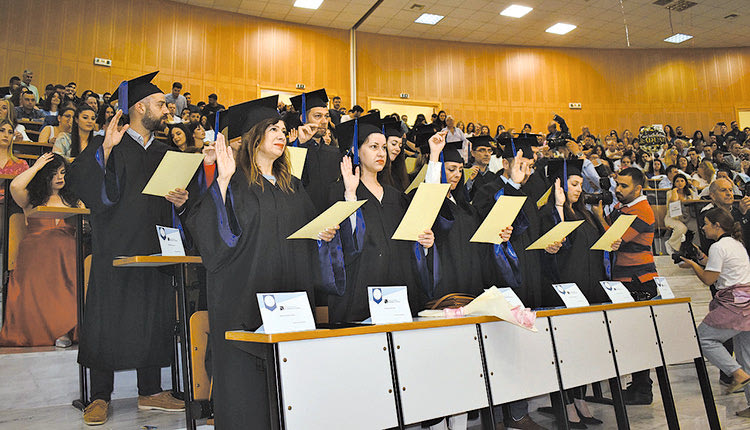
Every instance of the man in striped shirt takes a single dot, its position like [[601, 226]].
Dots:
[[633, 263]]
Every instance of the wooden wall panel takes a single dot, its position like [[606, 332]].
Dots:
[[512, 85], [207, 50]]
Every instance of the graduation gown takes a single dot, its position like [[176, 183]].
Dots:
[[462, 264], [322, 169], [372, 258], [574, 262], [481, 180], [243, 246], [130, 312], [525, 232]]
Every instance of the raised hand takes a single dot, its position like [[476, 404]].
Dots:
[[113, 135], [559, 193], [520, 169], [351, 178], [474, 172], [209, 154], [293, 134], [224, 160], [306, 132], [437, 143], [42, 161]]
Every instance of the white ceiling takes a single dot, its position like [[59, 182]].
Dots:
[[600, 22]]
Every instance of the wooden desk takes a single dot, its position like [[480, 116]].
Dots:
[[56, 212], [180, 263], [573, 347]]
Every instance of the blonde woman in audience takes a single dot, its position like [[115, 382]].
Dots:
[[8, 111], [41, 307], [65, 119], [704, 175], [69, 145], [11, 165]]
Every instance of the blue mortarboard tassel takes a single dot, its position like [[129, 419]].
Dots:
[[122, 96], [382, 129], [443, 179], [513, 146], [216, 125], [355, 146], [565, 175], [304, 109]]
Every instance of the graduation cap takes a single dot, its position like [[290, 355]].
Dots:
[[481, 140], [422, 135], [131, 92], [522, 142], [391, 127], [451, 152], [563, 168], [4, 91], [352, 134], [306, 101], [242, 117]]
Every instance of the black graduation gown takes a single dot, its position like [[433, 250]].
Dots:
[[243, 246], [462, 263], [484, 200], [481, 180], [374, 259], [574, 262], [322, 169], [130, 312]]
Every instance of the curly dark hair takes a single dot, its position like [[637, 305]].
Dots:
[[40, 187]]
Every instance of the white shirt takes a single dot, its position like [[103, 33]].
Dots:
[[138, 138], [729, 257]]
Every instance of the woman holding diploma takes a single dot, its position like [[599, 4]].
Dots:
[[239, 226], [371, 257]]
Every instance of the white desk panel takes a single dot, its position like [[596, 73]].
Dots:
[[583, 349], [634, 337], [677, 333], [521, 363], [439, 372], [312, 398]]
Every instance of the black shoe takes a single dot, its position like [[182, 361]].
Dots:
[[589, 420], [635, 397]]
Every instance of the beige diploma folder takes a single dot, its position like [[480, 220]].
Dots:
[[175, 171], [332, 216], [422, 211], [297, 158], [500, 217], [614, 232], [418, 180], [545, 197], [558, 233]]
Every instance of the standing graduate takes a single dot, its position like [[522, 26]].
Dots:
[[239, 227], [322, 162], [130, 312], [517, 267], [371, 257], [481, 175], [394, 135]]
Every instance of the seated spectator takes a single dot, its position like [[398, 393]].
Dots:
[[733, 159], [106, 113], [666, 182], [92, 100], [50, 133], [69, 145], [197, 132], [52, 104], [173, 118], [70, 93], [185, 116], [722, 173], [181, 138], [625, 161], [655, 168], [8, 112], [684, 165], [106, 97], [28, 110], [41, 308], [698, 139], [704, 175], [611, 151], [681, 191], [15, 90], [694, 160], [9, 163], [48, 90]]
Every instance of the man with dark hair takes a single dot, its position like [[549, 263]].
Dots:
[[189, 99], [28, 109], [334, 112], [175, 97], [213, 105], [106, 98], [671, 172], [634, 260], [60, 88], [736, 133], [70, 93], [195, 115], [48, 90]]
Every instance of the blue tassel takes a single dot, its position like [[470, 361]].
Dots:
[[443, 179], [122, 96], [304, 109], [513, 146], [565, 175], [355, 146], [216, 125]]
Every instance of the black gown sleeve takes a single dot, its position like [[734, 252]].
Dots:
[[97, 184]]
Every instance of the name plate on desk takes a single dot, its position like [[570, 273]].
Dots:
[[616, 291], [170, 241], [285, 312], [663, 288], [511, 297], [571, 295], [388, 305]]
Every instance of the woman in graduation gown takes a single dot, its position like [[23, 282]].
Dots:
[[573, 261], [394, 136], [239, 226], [371, 257]]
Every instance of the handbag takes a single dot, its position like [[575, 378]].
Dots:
[[450, 301]]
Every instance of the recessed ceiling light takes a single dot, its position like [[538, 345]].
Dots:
[[428, 18], [516, 11], [678, 38], [561, 28], [308, 4]]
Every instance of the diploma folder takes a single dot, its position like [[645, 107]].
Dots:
[[175, 171]]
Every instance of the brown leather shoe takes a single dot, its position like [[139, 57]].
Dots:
[[525, 423], [163, 401], [96, 413]]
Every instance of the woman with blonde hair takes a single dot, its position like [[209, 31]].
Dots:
[[704, 175], [9, 163], [8, 111]]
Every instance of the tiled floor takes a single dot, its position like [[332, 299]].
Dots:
[[682, 377]]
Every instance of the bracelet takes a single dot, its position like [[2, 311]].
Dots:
[[559, 206]]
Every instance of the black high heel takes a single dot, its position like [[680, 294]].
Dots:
[[588, 420]]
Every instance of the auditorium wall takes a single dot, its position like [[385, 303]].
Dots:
[[617, 88], [207, 50], [232, 55]]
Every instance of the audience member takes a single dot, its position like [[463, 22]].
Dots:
[[681, 191], [69, 145], [180, 101], [28, 110], [28, 75], [50, 133]]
